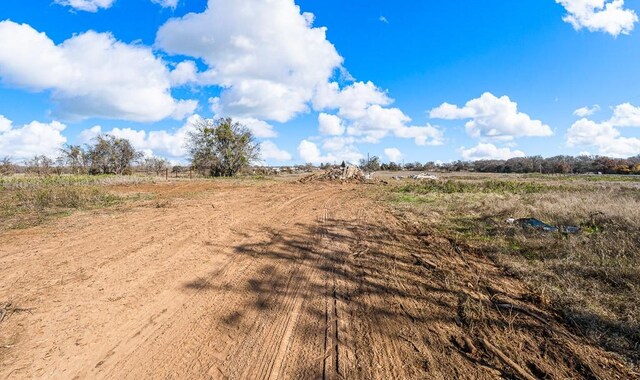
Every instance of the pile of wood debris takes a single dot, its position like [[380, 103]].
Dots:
[[347, 173]]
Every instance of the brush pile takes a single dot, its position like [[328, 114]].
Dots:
[[348, 173]]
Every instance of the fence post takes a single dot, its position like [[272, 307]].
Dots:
[[190, 170], [166, 174]]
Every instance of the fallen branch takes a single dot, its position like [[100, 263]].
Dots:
[[8, 310], [519, 370], [360, 252], [424, 262], [522, 310], [415, 347]]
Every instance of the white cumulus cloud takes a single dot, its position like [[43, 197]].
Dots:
[[5, 124], [351, 101], [342, 148], [166, 3], [393, 154], [266, 55], [606, 136], [259, 128], [587, 132], [95, 5], [90, 75], [493, 118], [185, 72], [330, 125], [309, 152], [586, 111], [32, 139], [270, 151], [625, 115], [87, 5], [609, 16], [427, 135], [365, 112], [485, 151]]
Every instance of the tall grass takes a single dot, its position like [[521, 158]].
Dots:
[[591, 278], [29, 181], [29, 200]]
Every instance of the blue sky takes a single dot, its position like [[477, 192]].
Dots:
[[416, 81]]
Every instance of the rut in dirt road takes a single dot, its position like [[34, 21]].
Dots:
[[272, 281]]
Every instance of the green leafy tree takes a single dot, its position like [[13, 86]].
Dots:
[[221, 148], [177, 169], [74, 157], [112, 155], [370, 165]]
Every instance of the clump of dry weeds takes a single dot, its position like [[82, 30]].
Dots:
[[591, 278]]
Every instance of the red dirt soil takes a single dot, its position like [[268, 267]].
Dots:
[[268, 280]]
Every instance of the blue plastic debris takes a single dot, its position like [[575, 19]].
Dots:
[[542, 226]]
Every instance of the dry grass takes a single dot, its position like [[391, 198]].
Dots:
[[591, 278], [29, 200]]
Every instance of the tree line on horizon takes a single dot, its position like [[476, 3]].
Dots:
[[534, 164]]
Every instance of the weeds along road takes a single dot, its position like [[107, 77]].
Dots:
[[269, 280]]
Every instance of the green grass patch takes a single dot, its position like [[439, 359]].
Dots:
[[584, 177], [485, 187], [411, 198]]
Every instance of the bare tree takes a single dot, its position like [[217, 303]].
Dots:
[[155, 164], [6, 166], [40, 165], [75, 158]]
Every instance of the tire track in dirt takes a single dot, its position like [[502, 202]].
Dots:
[[134, 248], [195, 331]]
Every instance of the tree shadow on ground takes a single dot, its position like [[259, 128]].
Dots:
[[415, 295]]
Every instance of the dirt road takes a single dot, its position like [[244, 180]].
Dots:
[[269, 281]]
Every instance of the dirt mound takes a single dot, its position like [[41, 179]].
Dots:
[[347, 173]]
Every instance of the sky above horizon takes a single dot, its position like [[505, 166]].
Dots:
[[325, 81]]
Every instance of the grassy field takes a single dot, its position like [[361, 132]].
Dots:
[[591, 278], [30, 200]]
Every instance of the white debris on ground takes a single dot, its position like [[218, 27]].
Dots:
[[339, 173], [424, 176]]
